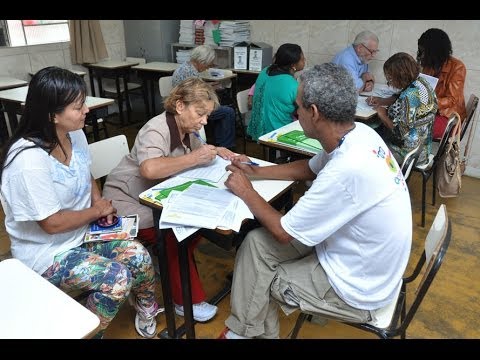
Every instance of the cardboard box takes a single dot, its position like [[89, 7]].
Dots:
[[260, 56], [240, 56]]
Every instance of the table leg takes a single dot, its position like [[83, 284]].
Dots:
[[127, 98], [171, 331], [145, 97], [152, 94], [3, 128], [92, 82], [186, 286], [120, 100], [12, 109]]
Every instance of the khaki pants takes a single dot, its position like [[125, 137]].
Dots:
[[268, 274]]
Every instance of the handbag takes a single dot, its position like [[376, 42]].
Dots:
[[449, 172]]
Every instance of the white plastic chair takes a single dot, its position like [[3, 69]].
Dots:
[[242, 102], [106, 154], [165, 85], [393, 319]]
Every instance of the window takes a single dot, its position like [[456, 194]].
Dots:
[[33, 32]]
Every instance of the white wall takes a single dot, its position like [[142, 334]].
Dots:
[[321, 39]]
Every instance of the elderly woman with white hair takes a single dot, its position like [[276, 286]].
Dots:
[[223, 118]]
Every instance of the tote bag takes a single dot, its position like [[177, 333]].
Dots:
[[449, 172]]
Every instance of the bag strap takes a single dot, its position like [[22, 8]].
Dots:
[[458, 128]]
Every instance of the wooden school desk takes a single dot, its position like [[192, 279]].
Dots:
[[270, 190], [150, 73], [6, 83], [33, 308], [112, 69]]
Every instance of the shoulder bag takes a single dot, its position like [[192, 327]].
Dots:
[[449, 172]]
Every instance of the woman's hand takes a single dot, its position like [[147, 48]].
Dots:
[[204, 154], [105, 209], [226, 153]]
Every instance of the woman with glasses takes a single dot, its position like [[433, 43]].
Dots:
[[408, 117], [435, 58], [355, 59]]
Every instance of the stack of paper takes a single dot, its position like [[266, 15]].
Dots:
[[186, 32], [192, 200], [233, 32], [127, 228]]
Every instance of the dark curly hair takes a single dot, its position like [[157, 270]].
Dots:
[[434, 49]]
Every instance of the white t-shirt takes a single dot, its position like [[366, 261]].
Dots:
[[358, 216], [35, 185]]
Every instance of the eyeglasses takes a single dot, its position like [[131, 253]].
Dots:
[[372, 52]]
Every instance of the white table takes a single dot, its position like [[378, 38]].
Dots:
[[33, 308], [13, 100], [270, 190]]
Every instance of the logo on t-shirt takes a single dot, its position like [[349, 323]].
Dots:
[[391, 164]]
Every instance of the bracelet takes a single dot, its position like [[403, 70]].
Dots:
[[368, 81]]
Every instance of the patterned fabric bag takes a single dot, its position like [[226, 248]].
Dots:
[[449, 172]]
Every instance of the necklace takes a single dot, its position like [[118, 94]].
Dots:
[[340, 142]]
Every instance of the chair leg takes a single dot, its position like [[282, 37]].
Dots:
[[424, 192], [298, 324], [434, 190]]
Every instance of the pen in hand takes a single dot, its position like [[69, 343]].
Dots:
[[252, 163], [197, 135]]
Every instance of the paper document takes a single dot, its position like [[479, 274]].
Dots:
[[198, 206], [381, 90], [430, 79], [213, 171]]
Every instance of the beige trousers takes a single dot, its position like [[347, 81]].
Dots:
[[268, 274]]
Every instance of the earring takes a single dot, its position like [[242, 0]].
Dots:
[[294, 68]]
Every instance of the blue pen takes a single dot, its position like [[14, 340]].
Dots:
[[249, 163], [197, 135]]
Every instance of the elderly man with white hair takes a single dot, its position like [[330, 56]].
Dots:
[[355, 59]]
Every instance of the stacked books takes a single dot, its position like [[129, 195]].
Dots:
[[299, 139], [126, 228]]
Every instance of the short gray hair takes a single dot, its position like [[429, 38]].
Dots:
[[203, 54], [331, 89], [364, 37]]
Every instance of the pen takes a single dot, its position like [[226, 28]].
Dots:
[[249, 163], [197, 135]]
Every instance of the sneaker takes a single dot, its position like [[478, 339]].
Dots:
[[201, 312], [145, 322]]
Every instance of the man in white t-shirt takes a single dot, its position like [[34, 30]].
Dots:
[[342, 249]]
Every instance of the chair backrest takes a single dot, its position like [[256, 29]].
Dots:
[[471, 108], [165, 85], [436, 245], [106, 154], [410, 160], [397, 316], [242, 101]]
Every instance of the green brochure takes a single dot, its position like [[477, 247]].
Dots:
[[298, 138], [163, 194]]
